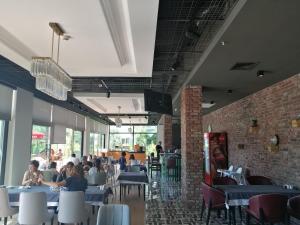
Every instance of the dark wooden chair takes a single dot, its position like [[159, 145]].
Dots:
[[153, 165], [293, 207], [259, 180], [267, 208], [213, 199]]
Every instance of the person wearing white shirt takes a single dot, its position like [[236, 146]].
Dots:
[[74, 159]]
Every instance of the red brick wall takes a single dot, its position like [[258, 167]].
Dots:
[[274, 108], [191, 142], [167, 121]]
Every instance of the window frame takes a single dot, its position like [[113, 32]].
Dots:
[[4, 153]]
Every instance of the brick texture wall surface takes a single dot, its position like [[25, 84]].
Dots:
[[191, 142], [274, 108], [167, 121]]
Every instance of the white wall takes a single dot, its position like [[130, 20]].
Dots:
[[19, 138]]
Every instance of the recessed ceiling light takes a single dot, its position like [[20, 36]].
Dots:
[[260, 73], [175, 109], [223, 43]]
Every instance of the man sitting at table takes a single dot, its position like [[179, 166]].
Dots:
[[75, 180], [32, 175]]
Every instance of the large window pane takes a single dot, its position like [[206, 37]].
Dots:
[[146, 141], [77, 142], [145, 129], [40, 144], [122, 142], [122, 129]]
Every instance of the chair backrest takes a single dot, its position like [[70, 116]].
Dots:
[[48, 175], [273, 206], [213, 195], [230, 168], [171, 162], [33, 208], [71, 205], [259, 180], [97, 178], [135, 168], [113, 214], [224, 181], [294, 206], [4, 203]]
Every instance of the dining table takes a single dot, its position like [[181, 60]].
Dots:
[[239, 195], [93, 194], [133, 178]]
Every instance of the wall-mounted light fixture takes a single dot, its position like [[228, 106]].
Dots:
[[273, 144], [296, 121], [253, 129]]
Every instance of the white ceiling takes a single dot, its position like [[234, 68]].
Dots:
[[108, 37], [131, 103]]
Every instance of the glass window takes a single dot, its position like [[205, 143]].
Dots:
[[97, 143], [145, 129], [122, 129], [123, 142], [73, 144], [40, 144], [146, 141], [2, 125]]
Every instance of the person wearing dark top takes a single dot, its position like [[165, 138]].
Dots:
[[74, 181], [158, 149], [122, 161]]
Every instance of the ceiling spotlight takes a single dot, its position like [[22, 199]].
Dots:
[[229, 91], [100, 85], [175, 109], [212, 102], [260, 73], [175, 65], [223, 43], [108, 94]]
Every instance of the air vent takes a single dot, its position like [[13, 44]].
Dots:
[[244, 66]]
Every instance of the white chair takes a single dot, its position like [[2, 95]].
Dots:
[[135, 168], [33, 208], [97, 179], [230, 168], [5, 209], [113, 214], [72, 208]]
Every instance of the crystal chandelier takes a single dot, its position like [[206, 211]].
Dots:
[[50, 77], [118, 120]]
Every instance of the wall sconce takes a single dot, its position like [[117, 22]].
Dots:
[[253, 129], [296, 122], [274, 144]]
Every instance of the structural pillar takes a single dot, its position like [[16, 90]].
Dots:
[[165, 131], [191, 143]]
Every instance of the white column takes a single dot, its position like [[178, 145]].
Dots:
[[19, 138], [86, 138]]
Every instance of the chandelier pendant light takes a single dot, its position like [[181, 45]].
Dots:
[[118, 120], [50, 77]]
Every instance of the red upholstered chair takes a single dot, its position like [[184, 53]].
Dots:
[[224, 181], [293, 207], [259, 180], [269, 208], [213, 199]]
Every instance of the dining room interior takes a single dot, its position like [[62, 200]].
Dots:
[[132, 112]]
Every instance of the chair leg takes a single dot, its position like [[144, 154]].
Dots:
[[208, 213], [240, 212], [202, 209], [261, 217], [218, 213], [52, 219], [225, 214], [93, 209], [247, 219], [88, 221], [139, 187], [5, 220]]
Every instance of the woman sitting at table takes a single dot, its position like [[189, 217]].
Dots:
[[75, 180], [97, 168], [32, 175], [132, 160]]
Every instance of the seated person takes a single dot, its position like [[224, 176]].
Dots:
[[122, 162], [75, 180], [132, 160], [32, 175], [51, 173], [97, 168]]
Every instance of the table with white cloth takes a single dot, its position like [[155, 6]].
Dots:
[[93, 194], [132, 178]]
